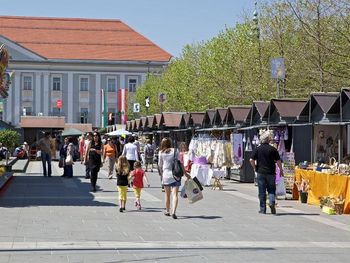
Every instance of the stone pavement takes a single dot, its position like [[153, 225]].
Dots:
[[58, 220]]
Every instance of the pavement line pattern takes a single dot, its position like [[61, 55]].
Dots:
[[104, 245], [321, 220]]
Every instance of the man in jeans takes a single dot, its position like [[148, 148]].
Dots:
[[45, 147], [263, 162]]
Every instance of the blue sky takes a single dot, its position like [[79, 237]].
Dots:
[[171, 24]]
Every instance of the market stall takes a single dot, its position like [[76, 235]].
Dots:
[[322, 184]]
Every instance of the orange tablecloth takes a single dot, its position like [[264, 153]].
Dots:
[[323, 184]]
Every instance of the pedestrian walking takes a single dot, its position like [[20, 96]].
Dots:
[[137, 176], [68, 152], [81, 147], [131, 153], [94, 159], [263, 161], [149, 155], [167, 157], [88, 139], [122, 171], [45, 148], [110, 154]]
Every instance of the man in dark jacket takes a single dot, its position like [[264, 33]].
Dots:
[[263, 161]]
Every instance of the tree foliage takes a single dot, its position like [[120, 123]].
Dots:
[[9, 138], [313, 36]]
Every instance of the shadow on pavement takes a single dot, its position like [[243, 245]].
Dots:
[[38, 190], [297, 214], [199, 217]]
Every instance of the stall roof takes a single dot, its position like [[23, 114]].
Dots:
[[240, 113], [220, 116], [345, 104], [208, 118], [144, 121], [127, 125], [187, 119], [151, 121], [138, 124], [133, 125], [325, 107], [174, 119], [286, 110], [197, 118], [259, 112], [158, 120]]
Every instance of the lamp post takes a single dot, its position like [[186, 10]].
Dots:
[[256, 29]]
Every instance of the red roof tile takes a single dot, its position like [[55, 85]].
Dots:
[[82, 39]]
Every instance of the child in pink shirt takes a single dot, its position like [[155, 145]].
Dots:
[[137, 176]]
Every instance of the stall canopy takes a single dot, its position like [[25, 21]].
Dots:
[[159, 120], [119, 133], [259, 113], [208, 118], [220, 117], [197, 119], [187, 119], [325, 107], [285, 111], [132, 125], [138, 124], [150, 122], [174, 120], [240, 115], [128, 125], [345, 104], [71, 132], [144, 121]]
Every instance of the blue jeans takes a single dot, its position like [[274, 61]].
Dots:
[[266, 182], [46, 158]]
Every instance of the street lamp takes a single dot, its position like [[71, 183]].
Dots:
[[256, 29]]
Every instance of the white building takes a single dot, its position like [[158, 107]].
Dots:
[[72, 60]]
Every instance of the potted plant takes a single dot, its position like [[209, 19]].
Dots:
[[303, 188]]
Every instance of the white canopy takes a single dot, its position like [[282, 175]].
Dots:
[[119, 133]]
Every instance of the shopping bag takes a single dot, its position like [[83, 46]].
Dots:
[[192, 191], [280, 188]]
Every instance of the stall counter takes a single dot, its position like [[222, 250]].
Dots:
[[324, 184]]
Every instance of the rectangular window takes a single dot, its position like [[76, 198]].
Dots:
[[27, 82], [27, 111], [111, 85], [84, 84], [132, 85], [56, 83], [55, 110], [84, 115]]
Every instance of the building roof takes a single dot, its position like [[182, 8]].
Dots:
[[80, 39]]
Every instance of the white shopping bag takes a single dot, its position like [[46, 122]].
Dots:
[[193, 192], [280, 188]]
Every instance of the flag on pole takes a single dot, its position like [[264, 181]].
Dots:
[[103, 109]]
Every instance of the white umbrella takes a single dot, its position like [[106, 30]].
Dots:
[[119, 133]]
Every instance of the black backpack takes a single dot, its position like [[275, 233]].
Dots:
[[149, 151]]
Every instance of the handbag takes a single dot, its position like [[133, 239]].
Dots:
[[61, 162], [69, 159], [177, 168]]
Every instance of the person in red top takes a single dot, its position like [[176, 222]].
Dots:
[[137, 175]]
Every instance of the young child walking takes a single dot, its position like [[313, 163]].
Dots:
[[122, 171], [137, 175]]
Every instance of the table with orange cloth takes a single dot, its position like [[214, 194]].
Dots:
[[324, 184]]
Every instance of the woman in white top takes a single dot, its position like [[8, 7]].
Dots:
[[165, 164], [130, 152]]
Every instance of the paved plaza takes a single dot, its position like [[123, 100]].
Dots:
[[58, 220]]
